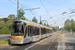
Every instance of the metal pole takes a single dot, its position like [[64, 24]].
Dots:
[[47, 23], [40, 28], [40, 18], [72, 27], [17, 8], [3, 29]]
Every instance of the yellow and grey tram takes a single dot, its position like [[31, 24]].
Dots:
[[26, 31]]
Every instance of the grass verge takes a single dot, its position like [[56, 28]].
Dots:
[[4, 41]]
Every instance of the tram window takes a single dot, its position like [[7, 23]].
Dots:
[[41, 30], [47, 30], [28, 30], [44, 31], [25, 31], [36, 31], [22, 29], [31, 30]]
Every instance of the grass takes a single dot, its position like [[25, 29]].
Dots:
[[4, 41]]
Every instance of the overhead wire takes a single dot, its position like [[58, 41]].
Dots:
[[23, 7], [12, 2], [52, 3], [46, 10]]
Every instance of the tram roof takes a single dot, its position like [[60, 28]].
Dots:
[[29, 22]]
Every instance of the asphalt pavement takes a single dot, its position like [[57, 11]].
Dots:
[[49, 43], [54, 42], [69, 41], [5, 37]]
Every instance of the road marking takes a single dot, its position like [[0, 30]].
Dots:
[[37, 43], [61, 46], [52, 43]]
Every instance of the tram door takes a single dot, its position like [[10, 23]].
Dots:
[[30, 32]]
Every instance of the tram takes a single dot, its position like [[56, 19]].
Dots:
[[25, 31]]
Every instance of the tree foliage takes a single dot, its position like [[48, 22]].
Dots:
[[35, 20], [69, 24], [2, 23], [45, 24], [4, 27], [21, 14], [48, 25], [24, 18], [54, 29], [11, 16], [41, 22]]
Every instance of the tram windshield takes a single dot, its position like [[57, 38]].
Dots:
[[17, 28]]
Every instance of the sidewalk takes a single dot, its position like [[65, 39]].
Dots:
[[2, 35]]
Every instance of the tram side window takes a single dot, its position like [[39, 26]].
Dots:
[[41, 30], [31, 30], [25, 31], [46, 30], [28, 30], [50, 31], [22, 29], [35, 31]]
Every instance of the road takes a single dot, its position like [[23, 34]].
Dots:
[[54, 42], [44, 44], [5, 37], [69, 41]]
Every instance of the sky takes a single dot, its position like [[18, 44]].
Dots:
[[51, 8]]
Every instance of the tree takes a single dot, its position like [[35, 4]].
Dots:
[[41, 22], [6, 28], [34, 20], [2, 23], [24, 18], [54, 29], [73, 25], [20, 13], [44, 24], [11, 16], [48, 25], [67, 25]]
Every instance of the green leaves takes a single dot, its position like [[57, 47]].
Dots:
[[41, 22], [11, 16], [54, 29], [21, 13], [34, 20], [69, 24], [4, 27]]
